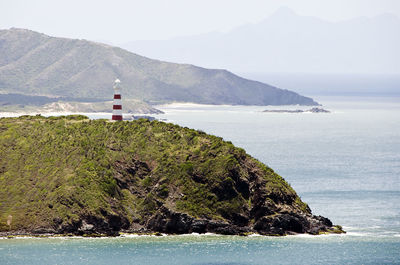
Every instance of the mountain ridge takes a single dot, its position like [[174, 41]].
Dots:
[[36, 64], [287, 42]]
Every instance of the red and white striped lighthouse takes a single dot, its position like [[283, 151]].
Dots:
[[117, 106]]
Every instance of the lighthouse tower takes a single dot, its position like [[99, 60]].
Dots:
[[117, 106]]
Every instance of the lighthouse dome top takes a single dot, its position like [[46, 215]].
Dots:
[[117, 84]]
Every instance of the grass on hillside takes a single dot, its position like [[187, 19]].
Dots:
[[58, 169]]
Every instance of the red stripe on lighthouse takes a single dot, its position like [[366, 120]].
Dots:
[[117, 117], [117, 96], [117, 107]]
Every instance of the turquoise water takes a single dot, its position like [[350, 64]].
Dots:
[[345, 165], [201, 250]]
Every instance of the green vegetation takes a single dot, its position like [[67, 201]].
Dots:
[[55, 170]]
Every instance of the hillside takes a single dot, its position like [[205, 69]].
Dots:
[[74, 175], [36, 64]]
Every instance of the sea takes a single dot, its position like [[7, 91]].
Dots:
[[345, 164]]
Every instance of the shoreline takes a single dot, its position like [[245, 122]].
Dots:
[[334, 230], [159, 235]]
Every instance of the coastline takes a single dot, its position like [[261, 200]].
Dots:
[[3, 235], [331, 102]]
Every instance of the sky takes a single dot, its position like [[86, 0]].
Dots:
[[120, 21]]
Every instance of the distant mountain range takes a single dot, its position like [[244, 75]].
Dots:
[[32, 63], [290, 43]]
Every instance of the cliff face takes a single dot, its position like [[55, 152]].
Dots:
[[74, 175], [37, 64]]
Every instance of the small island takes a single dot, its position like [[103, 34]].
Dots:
[[313, 110], [70, 175]]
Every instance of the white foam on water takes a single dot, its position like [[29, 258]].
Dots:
[[192, 234], [255, 235], [130, 235], [211, 234], [21, 237]]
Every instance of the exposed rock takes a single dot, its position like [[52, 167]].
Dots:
[[139, 176], [318, 110], [313, 110]]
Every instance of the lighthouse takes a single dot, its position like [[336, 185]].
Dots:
[[117, 105]]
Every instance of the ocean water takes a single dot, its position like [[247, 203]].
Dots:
[[344, 164], [201, 250], [387, 85]]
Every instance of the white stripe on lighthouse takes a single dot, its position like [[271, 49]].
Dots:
[[117, 112], [117, 102]]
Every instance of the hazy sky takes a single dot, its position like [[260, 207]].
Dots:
[[120, 21]]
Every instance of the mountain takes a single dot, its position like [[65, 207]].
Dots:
[[75, 175], [288, 42], [36, 64]]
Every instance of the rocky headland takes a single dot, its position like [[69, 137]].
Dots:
[[72, 175]]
